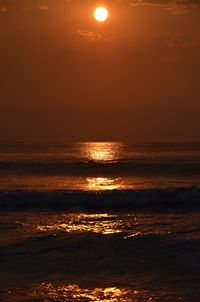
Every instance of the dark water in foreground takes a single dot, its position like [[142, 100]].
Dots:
[[100, 222]]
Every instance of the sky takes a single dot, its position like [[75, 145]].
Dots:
[[134, 77]]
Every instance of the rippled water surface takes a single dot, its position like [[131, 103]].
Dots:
[[53, 256], [98, 166], [99, 222]]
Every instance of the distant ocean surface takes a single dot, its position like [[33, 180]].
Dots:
[[98, 166], [99, 222]]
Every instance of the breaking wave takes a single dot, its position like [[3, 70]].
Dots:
[[175, 199]]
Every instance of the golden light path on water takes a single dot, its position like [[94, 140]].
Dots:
[[96, 223], [73, 292], [100, 151], [94, 157], [104, 152], [103, 183]]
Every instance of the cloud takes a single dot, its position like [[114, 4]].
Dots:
[[42, 7], [175, 7], [176, 42], [179, 41], [90, 35], [192, 44], [3, 8], [172, 6], [173, 40], [170, 59]]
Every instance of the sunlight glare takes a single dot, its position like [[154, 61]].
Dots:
[[101, 14]]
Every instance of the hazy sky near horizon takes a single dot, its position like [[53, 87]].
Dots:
[[66, 76]]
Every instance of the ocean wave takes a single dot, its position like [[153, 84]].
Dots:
[[86, 253], [160, 265], [170, 199], [108, 168]]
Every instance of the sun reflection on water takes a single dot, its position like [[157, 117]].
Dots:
[[73, 292], [103, 183], [96, 223], [101, 151]]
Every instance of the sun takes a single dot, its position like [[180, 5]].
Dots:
[[101, 14]]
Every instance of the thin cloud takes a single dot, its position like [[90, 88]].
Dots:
[[170, 59], [175, 7], [178, 41], [3, 8], [192, 44], [173, 40], [90, 35], [42, 7]]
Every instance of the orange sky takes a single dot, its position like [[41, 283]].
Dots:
[[66, 76]]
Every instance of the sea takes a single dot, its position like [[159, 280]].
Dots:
[[99, 221]]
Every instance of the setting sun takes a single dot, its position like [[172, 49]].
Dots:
[[100, 150], [101, 14]]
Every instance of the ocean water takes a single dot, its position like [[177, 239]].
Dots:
[[99, 222]]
